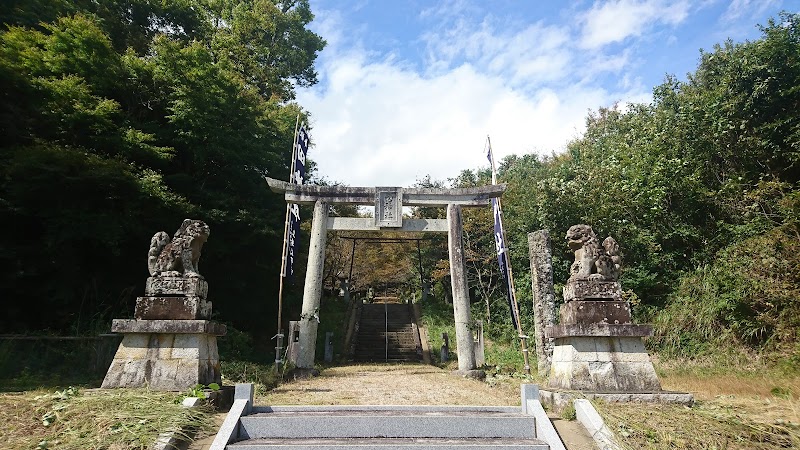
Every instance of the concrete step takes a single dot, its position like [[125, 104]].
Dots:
[[452, 423], [391, 444], [379, 357]]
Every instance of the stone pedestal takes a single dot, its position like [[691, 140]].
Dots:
[[588, 312], [597, 348], [169, 345], [602, 358], [592, 290], [168, 355]]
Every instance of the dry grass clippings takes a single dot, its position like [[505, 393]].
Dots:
[[110, 419], [715, 425]]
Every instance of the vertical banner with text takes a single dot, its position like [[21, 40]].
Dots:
[[500, 244], [298, 177]]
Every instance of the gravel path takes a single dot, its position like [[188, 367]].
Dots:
[[400, 384]]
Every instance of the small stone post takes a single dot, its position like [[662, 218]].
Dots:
[[445, 351], [466, 353], [345, 286], [293, 343], [329, 346], [478, 342], [309, 317], [539, 250]]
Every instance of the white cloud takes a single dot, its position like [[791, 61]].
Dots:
[[747, 8], [379, 120], [533, 54], [614, 21]]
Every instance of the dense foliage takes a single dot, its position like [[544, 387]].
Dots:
[[122, 118], [699, 187]]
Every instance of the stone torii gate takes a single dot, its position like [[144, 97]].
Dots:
[[388, 202]]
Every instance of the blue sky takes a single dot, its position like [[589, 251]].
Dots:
[[409, 89]]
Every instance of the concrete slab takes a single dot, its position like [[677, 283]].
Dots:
[[392, 444], [387, 424]]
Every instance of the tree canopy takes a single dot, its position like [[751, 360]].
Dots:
[[121, 119]]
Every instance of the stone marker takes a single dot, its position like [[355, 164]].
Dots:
[[329, 346], [544, 302], [293, 343], [479, 343], [597, 347], [170, 344], [445, 351]]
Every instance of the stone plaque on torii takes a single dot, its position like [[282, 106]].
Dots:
[[389, 203]]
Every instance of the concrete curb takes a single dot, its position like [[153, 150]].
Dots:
[[170, 440], [242, 406], [533, 407], [591, 420]]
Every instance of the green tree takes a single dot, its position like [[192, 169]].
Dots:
[[123, 118]]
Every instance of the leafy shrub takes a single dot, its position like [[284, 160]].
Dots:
[[749, 296]]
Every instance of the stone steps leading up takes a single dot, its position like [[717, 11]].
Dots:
[[380, 324], [387, 427]]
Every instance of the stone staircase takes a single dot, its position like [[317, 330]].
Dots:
[[387, 333], [249, 427], [387, 428]]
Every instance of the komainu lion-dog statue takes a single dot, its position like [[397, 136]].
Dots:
[[179, 256], [593, 261]]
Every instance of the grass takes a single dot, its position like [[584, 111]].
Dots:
[[110, 419], [754, 406], [28, 364], [263, 376], [709, 425], [437, 318]]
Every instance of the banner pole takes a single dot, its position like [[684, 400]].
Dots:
[[512, 290], [280, 335]]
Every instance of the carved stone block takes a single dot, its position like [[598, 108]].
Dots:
[[172, 308], [168, 326], [602, 364], [161, 286], [598, 330], [164, 361], [585, 312], [592, 290], [388, 207]]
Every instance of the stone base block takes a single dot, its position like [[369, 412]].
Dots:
[[164, 362], [302, 374], [175, 308], [585, 312], [558, 399], [475, 374], [181, 286], [168, 326], [602, 364], [598, 330], [592, 290]]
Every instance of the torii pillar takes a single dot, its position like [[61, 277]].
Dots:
[[388, 202]]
